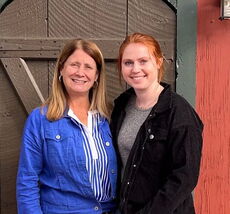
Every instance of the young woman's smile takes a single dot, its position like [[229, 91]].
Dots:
[[139, 67]]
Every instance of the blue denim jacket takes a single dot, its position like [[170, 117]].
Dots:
[[52, 176]]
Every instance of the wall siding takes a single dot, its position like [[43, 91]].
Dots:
[[87, 19], [213, 104]]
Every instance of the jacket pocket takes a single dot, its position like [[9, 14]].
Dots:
[[57, 145], [156, 145]]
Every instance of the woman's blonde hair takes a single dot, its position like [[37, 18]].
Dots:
[[57, 100], [152, 45]]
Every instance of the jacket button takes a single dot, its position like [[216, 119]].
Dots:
[[134, 165], [112, 171], [151, 136], [96, 208], [107, 143], [149, 130], [128, 183], [58, 137]]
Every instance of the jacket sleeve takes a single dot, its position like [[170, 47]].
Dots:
[[29, 168], [186, 145]]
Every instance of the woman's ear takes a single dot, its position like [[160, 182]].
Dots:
[[60, 72]]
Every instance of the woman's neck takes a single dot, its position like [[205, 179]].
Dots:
[[80, 107], [148, 98], [79, 102]]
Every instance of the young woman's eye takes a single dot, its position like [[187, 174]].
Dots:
[[128, 63]]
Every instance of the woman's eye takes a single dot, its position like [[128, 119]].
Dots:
[[88, 67], [143, 61], [74, 64], [127, 63]]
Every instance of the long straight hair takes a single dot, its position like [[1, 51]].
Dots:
[[57, 100]]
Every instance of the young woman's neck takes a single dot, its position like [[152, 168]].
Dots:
[[148, 98]]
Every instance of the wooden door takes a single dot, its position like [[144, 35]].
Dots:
[[31, 35]]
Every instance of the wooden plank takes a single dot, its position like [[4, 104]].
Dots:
[[50, 48], [87, 19], [12, 118], [31, 44], [30, 54], [39, 70], [23, 82], [113, 85], [51, 67], [26, 18], [152, 17]]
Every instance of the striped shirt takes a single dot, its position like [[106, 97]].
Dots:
[[96, 156]]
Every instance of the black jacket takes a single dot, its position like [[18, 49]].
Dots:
[[163, 166]]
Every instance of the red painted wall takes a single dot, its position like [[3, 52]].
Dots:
[[212, 196]]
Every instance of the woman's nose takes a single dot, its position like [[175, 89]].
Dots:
[[80, 71], [136, 67]]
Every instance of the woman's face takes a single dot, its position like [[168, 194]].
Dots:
[[138, 67], [79, 73]]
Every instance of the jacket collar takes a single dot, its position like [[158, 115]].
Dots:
[[165, 99]]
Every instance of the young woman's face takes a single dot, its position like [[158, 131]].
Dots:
[[79, 73], [138, 67]]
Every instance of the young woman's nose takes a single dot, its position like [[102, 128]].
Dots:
[[136, 67]]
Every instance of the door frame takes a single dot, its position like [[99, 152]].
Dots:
[[186, 47]]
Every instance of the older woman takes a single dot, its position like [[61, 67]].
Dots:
[[67, 160]]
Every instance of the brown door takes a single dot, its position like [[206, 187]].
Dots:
[[31, 35]]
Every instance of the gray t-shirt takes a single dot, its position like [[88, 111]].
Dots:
[[133, 120]]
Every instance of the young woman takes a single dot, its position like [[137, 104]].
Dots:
[[158, 135], [67, 162]]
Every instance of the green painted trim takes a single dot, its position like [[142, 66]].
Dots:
[[186, 49]]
